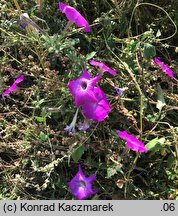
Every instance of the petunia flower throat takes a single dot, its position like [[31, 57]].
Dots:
[[81, 186], [82, 88]]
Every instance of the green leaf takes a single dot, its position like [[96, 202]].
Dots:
[[155, 143], [149, 51], [90, 55], [39, 119], [111, 171], [133, 45], [38, 103], [43, 136], [171, 161], [160, 98], [147, 35], [77, 153], [150, 145]]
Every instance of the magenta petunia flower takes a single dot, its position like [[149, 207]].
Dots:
[[13, 86], [132, 142], [103, 67], [81, 186], [82, 88], [74, 16], [164, 67], [96, 110]]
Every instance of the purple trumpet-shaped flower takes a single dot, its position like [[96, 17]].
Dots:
[[119, 91], [82, 88], [132, 142], [74, 16], [84, 126], [26, 21], [13, 86], [23, 23], [96, 110], [103, 67], [81, 186], [164, 67]]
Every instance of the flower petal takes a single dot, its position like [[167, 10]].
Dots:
[[112, 72], [82, 88], [96, 111], [132, 142], [103, 67], [19, 79], [62, 7], [71, 14], [95, 63], [81, 186], [74, 16], [164, 68], [86, 75], [13, 86]]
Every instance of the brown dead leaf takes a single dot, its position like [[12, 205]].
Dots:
[[120, 183]]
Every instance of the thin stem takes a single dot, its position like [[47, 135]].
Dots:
[[129, 173], [68, 26], [6, 32], [90, 134], [133, 165], [125, 65], [141, 116], [18, 7], [12, 57], [29, 32], [153, 5]]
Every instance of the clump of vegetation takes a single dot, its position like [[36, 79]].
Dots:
[[111, 70]]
